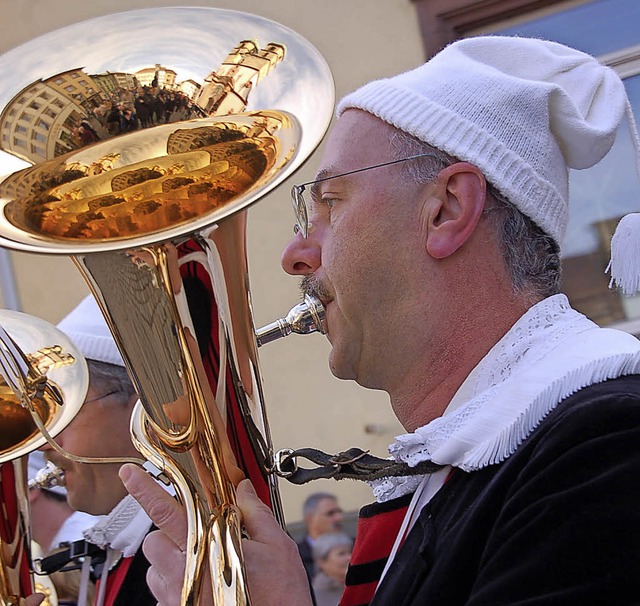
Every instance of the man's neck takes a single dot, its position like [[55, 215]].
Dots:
[[45, 526], [429, 385]]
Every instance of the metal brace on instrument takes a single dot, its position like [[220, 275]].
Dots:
[[282, 458]]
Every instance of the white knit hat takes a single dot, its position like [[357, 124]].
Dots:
[[87, 328], [522, 110]]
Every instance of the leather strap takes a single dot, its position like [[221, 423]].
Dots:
[[352, 464]]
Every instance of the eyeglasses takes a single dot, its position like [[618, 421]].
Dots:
[[300, 207], [102, 397]]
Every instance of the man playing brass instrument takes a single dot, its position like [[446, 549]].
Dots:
[[431, 235], [101, 429]]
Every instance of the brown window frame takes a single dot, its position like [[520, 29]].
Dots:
[[443, 21]]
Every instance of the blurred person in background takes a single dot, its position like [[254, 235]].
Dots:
[[321, 514], [331, 554], [53, 521], [54, 524]]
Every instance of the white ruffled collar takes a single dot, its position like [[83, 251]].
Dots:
[[120, 533], [123, 529], [550, 353]]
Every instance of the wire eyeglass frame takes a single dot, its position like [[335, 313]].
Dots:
[[300, 205]]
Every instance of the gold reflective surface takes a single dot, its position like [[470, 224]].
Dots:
[[49, 353], [131, 114], [207, 163], [16, 425]]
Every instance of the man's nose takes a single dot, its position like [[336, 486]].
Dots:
[[58, 439], [301, 256]]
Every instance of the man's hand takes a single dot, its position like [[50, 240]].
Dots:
[[164, 548], [275, 574], [33, 600]]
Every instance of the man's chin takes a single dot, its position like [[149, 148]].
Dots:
[[76, 504], [339, 368], [77, 500], [89, 508]]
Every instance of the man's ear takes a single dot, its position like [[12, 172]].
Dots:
[[454, 209]]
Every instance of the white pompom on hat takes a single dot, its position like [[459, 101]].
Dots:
[[522, 110], [87, 328]]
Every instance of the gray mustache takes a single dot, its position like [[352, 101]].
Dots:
[[312, 286]]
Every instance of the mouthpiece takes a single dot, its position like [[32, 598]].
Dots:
[[48, 477], [304, 318]]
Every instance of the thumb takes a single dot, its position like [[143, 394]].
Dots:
[[167, 514], [257, 518]]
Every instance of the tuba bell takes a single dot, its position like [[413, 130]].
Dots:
[[43, 383], [155, 219]]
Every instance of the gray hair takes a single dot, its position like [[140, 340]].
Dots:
[[531, 256], [112, 378], [323, 545], [311, 502]]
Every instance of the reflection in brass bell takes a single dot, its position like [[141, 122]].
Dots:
[[129, 138], [206, 164], [48, 359]]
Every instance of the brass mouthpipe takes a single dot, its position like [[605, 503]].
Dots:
[[47, 477], [304, 318]]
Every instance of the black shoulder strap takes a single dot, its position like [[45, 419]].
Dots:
[[69, 558]]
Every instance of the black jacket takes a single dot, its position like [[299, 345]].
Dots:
[[306, 554], [557, 523], [134, 589]]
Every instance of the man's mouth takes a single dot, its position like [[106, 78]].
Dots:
[[51, 475], [312, 286]]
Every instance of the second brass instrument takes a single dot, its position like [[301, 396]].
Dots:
[[43, 381]]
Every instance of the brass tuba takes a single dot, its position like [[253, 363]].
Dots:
[[155, 217], [43, 381]]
